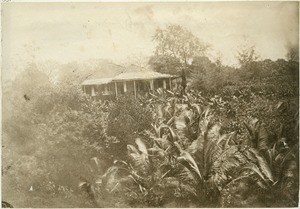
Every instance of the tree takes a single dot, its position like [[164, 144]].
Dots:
[[179, 43], [206, 73], [248, 58], [293, 53], [165, 64]]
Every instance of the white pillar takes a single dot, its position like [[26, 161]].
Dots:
[[93, 91], [134, 88], [152, 85], [116, 88], [164, 84], [170, 83], [125, 86]]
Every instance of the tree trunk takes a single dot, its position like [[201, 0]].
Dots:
[[183, 82]]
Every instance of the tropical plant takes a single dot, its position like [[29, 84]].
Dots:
[[200, 170], [271, 170], [144, 177]]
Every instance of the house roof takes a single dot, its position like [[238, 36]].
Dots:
[[140, 75], [97, 81], [130, 74], [108, 70]]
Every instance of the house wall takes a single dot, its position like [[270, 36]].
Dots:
[[130, 86], [120, 87], [163, 83], [142, 86]]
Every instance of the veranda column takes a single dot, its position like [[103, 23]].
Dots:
[[125, 86], [93, 91], [134, 88], [164, 84], [151, 85], [116, 88], [170, 83]]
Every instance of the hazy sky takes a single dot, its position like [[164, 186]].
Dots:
[[67, 32]]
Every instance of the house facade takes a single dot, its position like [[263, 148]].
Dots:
[[135, 83]]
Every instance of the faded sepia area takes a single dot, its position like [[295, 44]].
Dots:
[[150, 104]]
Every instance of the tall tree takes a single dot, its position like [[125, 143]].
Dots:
[[179, 43], [248, 59]]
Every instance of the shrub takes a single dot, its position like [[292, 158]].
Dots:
[[127, 119]]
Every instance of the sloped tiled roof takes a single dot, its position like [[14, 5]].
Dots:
[[129, 73]]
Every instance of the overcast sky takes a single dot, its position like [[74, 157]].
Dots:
[[66, 32]]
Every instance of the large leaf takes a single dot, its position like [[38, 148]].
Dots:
[[185, 156], [196, 145], [256, 170], [141, 146], [263, 141], [262, 165], [139, 160], [214, 132], [132, 149], [186, 176], [258, 135]]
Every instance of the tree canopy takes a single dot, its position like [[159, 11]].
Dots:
[[179, 43]]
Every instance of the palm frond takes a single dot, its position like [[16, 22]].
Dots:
[[256, 170], [196, 145], [259, 138], [185, 175], [185, 156], [225, 165], [263, 165], [139, 160], [262, 139]]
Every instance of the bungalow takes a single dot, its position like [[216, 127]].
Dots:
[[134, 82]]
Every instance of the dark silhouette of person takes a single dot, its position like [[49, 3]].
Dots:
[[183, 82]]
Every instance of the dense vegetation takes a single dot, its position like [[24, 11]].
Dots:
[[229, 139]]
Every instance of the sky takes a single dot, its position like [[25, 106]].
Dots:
[[66, 32]]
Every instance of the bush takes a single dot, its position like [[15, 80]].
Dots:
[[51, 140], [127, 119]]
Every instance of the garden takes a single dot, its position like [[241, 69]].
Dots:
[[227, 137]]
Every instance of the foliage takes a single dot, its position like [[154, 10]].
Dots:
[[178, 42], [165, 64], [206, 74], [230, 141], [53, 136], [176, 47], [126, 120]]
